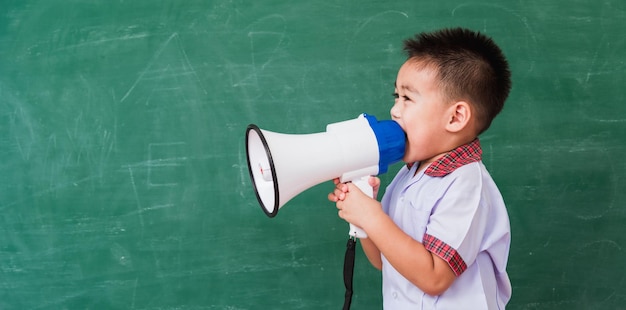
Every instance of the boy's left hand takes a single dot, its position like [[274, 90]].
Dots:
[[354, 206]]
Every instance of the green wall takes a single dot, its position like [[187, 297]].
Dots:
[[124, 182]]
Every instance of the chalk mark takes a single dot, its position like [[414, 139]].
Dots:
[[139, 208], [150, 63], [374, 17], [52, 188], [105, 40], [189, 66], [163, 162]]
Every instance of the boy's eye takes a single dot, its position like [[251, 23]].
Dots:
[[397, 96]]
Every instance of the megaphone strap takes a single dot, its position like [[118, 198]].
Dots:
[[348, 271]]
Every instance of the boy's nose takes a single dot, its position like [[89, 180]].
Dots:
[[395, 112]]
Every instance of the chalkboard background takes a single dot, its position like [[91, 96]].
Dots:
[[122, 160]]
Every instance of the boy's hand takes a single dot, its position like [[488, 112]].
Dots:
[[339, 192], [354, 206], [375, 184]]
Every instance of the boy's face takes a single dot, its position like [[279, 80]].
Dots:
[[421, 111]]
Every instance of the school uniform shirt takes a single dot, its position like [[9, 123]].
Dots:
[[455, 210]]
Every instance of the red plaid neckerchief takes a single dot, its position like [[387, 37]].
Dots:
[[462, 155]]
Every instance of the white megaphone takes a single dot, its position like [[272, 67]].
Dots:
[[282, 166]]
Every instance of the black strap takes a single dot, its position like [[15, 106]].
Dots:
[[348, 271]]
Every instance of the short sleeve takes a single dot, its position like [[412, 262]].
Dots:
[[458, 221]]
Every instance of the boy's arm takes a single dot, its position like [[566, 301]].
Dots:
[[372, 253], [424, 269], [410, 258]]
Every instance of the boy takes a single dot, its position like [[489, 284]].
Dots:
[[441, 233]]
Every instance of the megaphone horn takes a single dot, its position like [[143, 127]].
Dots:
[[283, 165]]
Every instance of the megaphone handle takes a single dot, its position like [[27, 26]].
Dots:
[[363, 184]]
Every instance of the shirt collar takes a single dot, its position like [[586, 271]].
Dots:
[[462, 155]]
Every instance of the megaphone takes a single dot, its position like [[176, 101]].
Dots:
[[282, 165]]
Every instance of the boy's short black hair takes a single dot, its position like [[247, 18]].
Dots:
[[470, 67]]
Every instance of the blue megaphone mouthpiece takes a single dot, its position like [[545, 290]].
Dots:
[[391, 141]]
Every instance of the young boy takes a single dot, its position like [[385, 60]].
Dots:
[[441, 233]]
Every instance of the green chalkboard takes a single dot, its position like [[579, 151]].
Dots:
[[124, 182]]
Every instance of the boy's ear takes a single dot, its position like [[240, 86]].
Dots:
[[459, 116]]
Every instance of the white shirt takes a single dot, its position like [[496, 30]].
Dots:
[[463, 211]]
